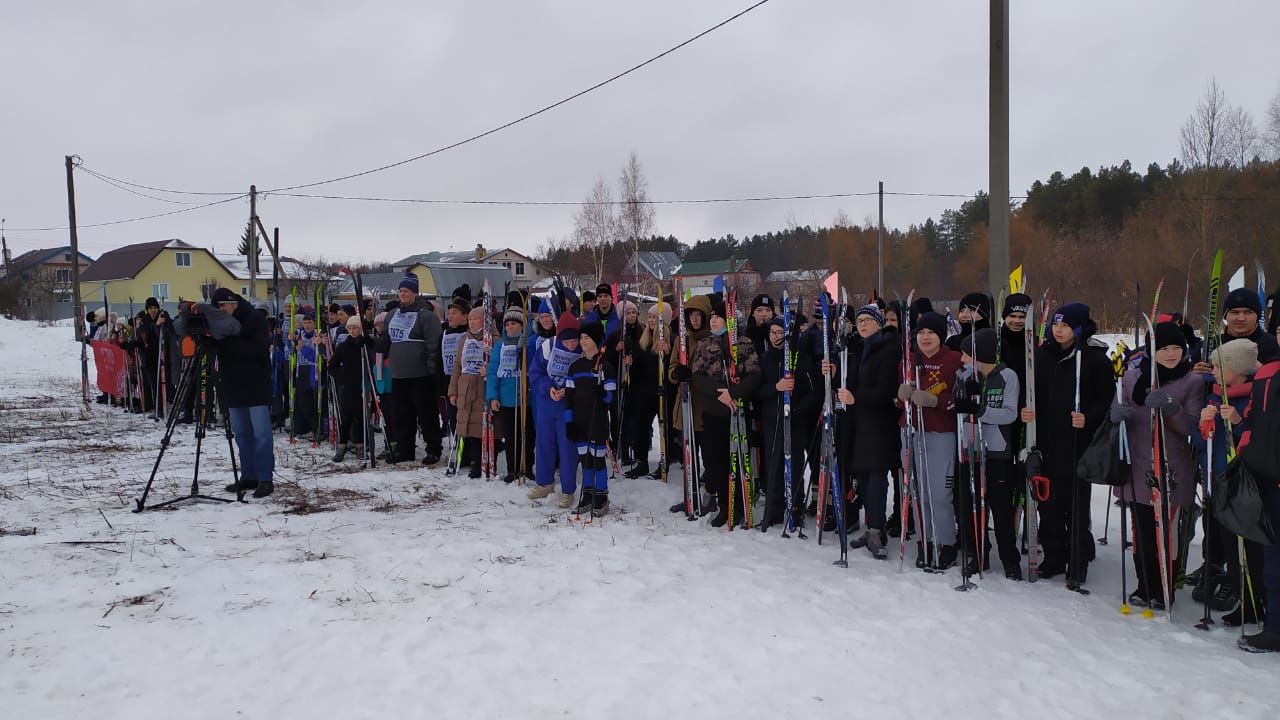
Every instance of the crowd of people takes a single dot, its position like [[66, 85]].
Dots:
[[954, 435]]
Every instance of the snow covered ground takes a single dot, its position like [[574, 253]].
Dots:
[[403, 593]]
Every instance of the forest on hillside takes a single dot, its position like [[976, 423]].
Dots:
[[1093, 234]]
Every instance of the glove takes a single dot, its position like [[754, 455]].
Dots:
[[923, 399], [680, 373], [965, 406], [1120, 413], [972, 388], [1161, 400], [904, 391]]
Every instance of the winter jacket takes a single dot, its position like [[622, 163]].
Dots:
[[1179, 424], [242, 344], [804, 398], [709, 375], [693, 340], [505, 370], [548, 369], [998, 411], [872, 378], [1260, 428], [937, 376], [412, 341], [345, 365], [1055, 380], [959, 341], [468, 387], [589, 392]]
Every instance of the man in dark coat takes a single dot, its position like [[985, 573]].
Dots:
[[773, 385], [242, 346]]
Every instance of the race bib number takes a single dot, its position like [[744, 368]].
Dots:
[[559, 362], [400, 326], [449, 350], [473, 356], [509, 362]]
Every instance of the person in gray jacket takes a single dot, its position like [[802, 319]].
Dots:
[[991, 398], [1178, 397], [412, 342]]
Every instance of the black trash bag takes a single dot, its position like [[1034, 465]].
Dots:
[[1239, 507], [1101, 463]]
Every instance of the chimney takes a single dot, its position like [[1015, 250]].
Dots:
[[480, 252]]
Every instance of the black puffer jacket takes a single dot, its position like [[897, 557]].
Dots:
[[1055, 400], [873, 380], [242, 345]]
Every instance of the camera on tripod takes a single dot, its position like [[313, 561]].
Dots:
[[195, 323]]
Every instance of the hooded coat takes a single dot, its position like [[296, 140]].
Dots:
[[693, 339], [1188, 390], [469, 391]]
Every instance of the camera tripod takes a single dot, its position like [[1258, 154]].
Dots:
[[198, 378]]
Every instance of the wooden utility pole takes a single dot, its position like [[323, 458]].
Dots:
[[253, 242], [998, 149], [880, 241], [77, 306]]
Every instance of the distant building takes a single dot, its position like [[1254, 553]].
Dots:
[[45, 291], [798, 283], [168, 270], [525, 271], [699, 277], [649, 265]]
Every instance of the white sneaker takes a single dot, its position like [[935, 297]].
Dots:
[[564, 502], [541, 491]]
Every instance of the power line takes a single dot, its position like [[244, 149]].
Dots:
[[83, 226], [683, 201], [107, 178], [118, 185], [531, 115]]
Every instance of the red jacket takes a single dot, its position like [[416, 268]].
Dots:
[[937, 376]]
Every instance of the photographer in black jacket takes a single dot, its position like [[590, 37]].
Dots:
[[242, 345]]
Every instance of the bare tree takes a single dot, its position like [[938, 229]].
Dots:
[[1202, 134], [1241, 136], [637, 216], [1273, 126], [595, 225], [841, 220]]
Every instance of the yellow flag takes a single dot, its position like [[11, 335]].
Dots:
[[1017, 283]]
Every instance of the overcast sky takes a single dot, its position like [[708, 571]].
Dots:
[[796, 97]]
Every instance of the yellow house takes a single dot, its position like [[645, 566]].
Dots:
[[168, 270]]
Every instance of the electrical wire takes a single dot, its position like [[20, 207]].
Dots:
[[117, 184], [107, 178], [528, 116], [83, 226], [695, 201]]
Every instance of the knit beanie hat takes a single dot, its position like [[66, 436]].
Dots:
[[514, 314], [595, 331], [977, 301], [354, 320], [1242, 298], [409, 282], [1017, 302], [983, 344], [349, 309], [1239, 356], [568, 328], [380, 318], [872, 310], [151, 303], [1073, 314], [1170, 333], [762, 300], [934, 323], [604, 289]]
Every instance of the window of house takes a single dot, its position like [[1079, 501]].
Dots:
[[506, 264], [206, 290], [183, 259], [519, 269], [244, 291], [160, 290], [62, 275], [67, 257]]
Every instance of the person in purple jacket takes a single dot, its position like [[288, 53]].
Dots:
[[1178, 397]]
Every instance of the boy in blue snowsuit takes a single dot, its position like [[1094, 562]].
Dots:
[[548, 374], [592, 384]]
